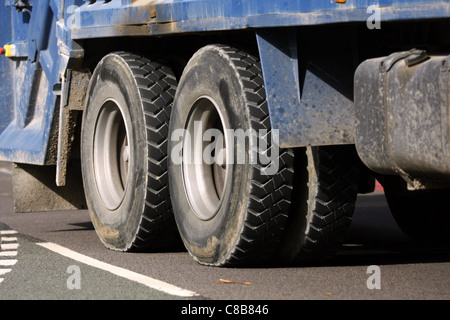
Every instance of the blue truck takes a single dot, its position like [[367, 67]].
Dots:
[[244, 129]]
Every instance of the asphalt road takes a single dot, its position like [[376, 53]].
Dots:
[[43, 263]]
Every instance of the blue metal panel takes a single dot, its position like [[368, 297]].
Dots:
[[6, 96], [316, 114], [144, 17], [35, 72]]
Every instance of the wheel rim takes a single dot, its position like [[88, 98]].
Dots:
[[205, 178], [111, 154]]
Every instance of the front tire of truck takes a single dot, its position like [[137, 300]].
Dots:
[[228, 211], [124, 152]]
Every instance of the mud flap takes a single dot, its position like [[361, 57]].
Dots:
[[35, 189]]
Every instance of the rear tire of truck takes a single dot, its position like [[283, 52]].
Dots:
[[422, 215], [228, 212], [124, 152], [324, 197]]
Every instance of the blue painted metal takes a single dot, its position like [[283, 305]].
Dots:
[[141, 17], [35, 69], [6, 92], [315, 114], [45, 35]]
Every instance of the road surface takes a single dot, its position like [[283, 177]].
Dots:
[[57, 255]]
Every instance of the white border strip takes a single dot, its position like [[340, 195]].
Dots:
[[9, 246], [4, 271], [121, 272], [8, 262], [9, 239], [8, 231], [8, 253]]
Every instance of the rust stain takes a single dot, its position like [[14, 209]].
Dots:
[[146, 2], [149, 5]]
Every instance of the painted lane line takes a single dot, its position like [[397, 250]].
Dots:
[[7, 242], [9, 246], [8, 253], [8, 262], [9, 239], [3, 232], [4, 271], [118, 271]]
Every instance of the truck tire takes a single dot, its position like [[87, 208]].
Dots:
[[124, 152], [422, 215], [228, 212], [324, 197]]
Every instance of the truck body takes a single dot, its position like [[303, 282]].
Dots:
[[372, 75]]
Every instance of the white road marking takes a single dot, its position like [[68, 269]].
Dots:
[[9, 239], [9, 246], [118, 271], [8, 253], [8, 262], [3, 232], [4, 271]]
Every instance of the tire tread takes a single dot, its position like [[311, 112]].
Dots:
[[157, 85], [334, 201], [269, 196]]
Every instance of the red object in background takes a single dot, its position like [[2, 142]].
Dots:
[[378, 186], [2, 50]]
